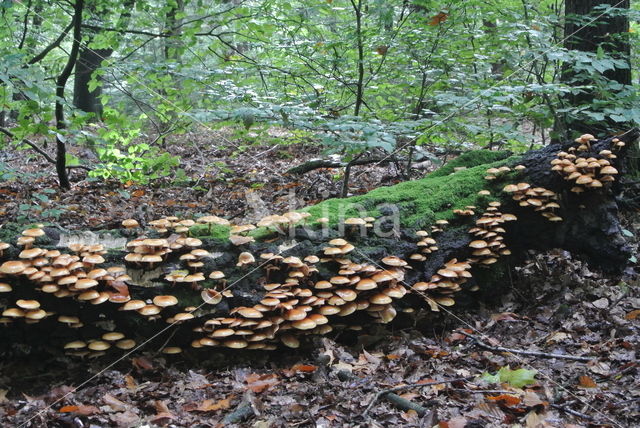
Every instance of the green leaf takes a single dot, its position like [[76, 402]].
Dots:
[[516, 378]]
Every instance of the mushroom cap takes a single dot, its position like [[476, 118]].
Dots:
[[355, 221], [478, 244], [170, 350], [33, 233], [304, 324], [12, 267], [5, 288], [13, 313], [99, 345], [380, 299], [125, 344], [249, 312], [393, 261], [165, 301], [85, 283], [216, 275], [28, 304], [235, 343], [245, 258], [112, 336], [133, 305], [130, 223], [76, 344]]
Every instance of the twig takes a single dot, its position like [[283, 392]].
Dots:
[[410, 386], [38, 149], [480, 391], [405, 404], [481, 344], [575, 413]]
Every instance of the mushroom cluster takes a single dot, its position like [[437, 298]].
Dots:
[[488, 244], [447, 280], [540, 199], [299, 301], [586, 173], [494, 173], [59, 275], [300, 295], [426, 245]]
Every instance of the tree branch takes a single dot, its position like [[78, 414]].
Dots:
[[38, 149], [323, 163], [51, 46], [481, 344]]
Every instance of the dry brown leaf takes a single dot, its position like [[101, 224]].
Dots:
[[210, 405], [633, 314], [114, 403], [258, 383], [80, 409], [587, 382], [132, 385], [507, 399]]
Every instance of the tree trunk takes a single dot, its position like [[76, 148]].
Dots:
[[389, 268], [61, 82], [590, 29], [89, 61]]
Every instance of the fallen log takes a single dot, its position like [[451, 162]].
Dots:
[[419, 244]]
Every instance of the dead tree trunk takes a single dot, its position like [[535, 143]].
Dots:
[[345, 261]]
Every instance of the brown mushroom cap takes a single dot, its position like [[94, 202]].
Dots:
[[13, 267], [125, 344], [171, 350], [165, 301], [28, 304], [99, 345], [130, 223]]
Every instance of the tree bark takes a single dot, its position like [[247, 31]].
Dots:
[[589, 227], [61, 82], [588, 29]]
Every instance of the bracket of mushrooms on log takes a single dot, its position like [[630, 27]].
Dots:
[[261, 295]]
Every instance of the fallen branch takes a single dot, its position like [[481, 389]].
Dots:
[[38, 149], [482, 344], [565, 408], [386, 392], [405, 404], [323, 163]]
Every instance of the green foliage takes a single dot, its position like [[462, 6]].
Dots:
[[472, 74], [515, 378]]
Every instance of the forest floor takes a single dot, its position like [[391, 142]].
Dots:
[[554, 304]]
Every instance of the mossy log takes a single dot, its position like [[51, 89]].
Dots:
[[421, 244]]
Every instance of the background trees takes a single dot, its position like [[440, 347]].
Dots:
[[358, 76]]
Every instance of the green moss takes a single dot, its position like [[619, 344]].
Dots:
[[421, 202], [470, 159], [215, 232]]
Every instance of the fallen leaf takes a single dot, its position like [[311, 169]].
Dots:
[[457, 422], [137, 193], [587, 382], [601, 303], [80, 409], [633, 314], [258, 383], [210, 405], [114, 403], [507, 399], [531, 399], [142, 363], [304, 368], [131, 382]]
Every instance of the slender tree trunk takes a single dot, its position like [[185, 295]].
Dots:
[[591, 29], [61, 82], [357, 8]]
